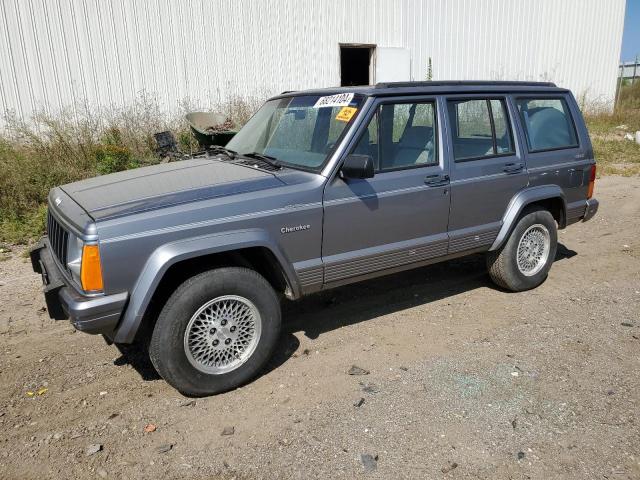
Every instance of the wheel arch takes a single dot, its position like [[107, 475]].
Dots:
[[548, 197], [171, 264]]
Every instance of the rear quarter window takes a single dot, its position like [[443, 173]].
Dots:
[[547, 123]]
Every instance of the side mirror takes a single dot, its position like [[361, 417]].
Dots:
[[357, 166]]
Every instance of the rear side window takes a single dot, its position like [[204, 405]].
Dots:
[[480, 128], [547, 123]]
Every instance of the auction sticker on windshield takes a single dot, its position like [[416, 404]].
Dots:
[[337, 100], [346, 113]]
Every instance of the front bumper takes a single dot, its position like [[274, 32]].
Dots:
[[96, 315]]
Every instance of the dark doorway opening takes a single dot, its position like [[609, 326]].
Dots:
[[355, 65]]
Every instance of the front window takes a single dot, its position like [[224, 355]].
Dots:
[[401, 135], [298, 131]]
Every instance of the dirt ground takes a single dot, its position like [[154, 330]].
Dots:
[[466, 380]]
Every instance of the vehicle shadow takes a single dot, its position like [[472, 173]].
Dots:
[[564, 252], [136, 356], [352, 304], [363, 301]]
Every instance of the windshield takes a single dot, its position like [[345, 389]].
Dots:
[[298, 131]]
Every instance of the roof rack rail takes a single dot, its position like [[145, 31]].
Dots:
[[288, 91], [472, 83]]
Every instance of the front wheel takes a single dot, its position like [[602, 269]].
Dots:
[[216, 331], [524, 261]]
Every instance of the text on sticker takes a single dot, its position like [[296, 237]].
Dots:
[[337, 100], [345, 113]]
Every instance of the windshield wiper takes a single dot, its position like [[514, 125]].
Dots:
[[217, 149], [273, 161]]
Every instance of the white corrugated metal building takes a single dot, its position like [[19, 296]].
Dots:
[[54, 53]]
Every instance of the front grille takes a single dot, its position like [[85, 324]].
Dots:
[[58, 238]]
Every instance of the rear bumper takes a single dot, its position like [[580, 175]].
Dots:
[[591, 209], [95, 314], [581, 211]]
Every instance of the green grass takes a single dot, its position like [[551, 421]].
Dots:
[[605, 123], [51, 151], [615, 154], [23, 228], [616, 157], [54, 149]]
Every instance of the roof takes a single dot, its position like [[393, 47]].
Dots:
[[432, 87]]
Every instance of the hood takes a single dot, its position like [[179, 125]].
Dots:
[[158, 186]]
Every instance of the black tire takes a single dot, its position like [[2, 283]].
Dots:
[[167, 346], [503, 263]]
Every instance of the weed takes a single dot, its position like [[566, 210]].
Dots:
[[615, 154], [52, 149]]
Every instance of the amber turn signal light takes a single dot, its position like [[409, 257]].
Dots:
[[592, 181], [91, 270]]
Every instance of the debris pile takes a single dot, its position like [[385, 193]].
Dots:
[[225, 126]]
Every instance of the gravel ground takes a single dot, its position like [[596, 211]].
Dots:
[[464, 380]]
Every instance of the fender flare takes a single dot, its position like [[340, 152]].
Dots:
[[171, 253], [519, 202]]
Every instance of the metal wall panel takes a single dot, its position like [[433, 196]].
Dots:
[[573, 43], [58, 54]]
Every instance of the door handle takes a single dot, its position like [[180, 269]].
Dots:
[[436, 180], [513, 167]]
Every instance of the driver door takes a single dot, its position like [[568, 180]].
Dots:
[[398, 218]]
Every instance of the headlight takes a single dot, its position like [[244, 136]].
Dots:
[[84, 264], [74, 257]]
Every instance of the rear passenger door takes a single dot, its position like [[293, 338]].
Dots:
[[487, 168]]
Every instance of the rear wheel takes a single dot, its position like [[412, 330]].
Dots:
[[524, 261], [216, 331]]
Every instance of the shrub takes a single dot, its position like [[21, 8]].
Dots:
[[113, 158], [52, 149]]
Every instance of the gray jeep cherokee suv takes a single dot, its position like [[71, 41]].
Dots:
[[320, 188]]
